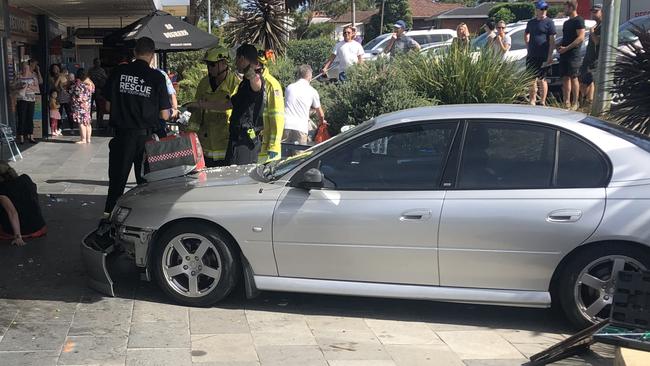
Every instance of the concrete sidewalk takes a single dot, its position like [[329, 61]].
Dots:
[[49, 317]]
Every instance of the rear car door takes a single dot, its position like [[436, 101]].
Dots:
[[524, 195], [376, 219]]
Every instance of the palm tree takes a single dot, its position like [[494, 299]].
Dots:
[[261, 22], [631, 84]]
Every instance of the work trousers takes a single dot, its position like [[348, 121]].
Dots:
[[126, 149]]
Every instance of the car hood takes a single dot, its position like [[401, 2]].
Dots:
[[212, 177]]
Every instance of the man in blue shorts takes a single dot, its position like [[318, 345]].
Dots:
[[540, 39]]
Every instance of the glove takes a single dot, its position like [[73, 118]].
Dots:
[[272, 154]]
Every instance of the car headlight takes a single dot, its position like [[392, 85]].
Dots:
[[121, 214]]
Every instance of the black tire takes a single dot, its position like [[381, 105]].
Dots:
[[223, 251], [598, 258]]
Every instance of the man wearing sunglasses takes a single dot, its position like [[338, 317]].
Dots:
[[211, 109], [345, 54]]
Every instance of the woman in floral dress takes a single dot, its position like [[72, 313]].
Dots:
[[81, 92]]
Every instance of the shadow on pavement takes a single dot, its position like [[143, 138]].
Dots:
[[50, 268], [89, 182]]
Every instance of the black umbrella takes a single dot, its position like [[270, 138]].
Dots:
[[168, 32]]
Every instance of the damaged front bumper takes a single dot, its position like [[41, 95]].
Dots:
[[96, 249]]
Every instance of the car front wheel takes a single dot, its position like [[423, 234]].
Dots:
[[195, 264], [588, 281]]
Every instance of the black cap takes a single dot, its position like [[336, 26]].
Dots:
[[247, 51]]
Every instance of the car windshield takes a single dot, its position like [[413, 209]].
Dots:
[[372, 44], [276, 169], [625, 34], [626, 134]]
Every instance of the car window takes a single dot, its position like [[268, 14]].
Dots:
[[427, 38], [374, 43], [625, 34], [507, 155], [518, 41], [398, 158], [579, 164]]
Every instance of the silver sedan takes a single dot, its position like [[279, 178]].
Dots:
[[490, 204]]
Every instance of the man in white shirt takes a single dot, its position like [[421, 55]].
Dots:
[[346, 53], [299, 99]]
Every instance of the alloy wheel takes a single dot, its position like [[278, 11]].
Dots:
[[595, 285], [191, 265]]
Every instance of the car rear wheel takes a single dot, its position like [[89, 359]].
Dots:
[[195, 264], [587, 283]]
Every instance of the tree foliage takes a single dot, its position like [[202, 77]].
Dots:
[[394, 10], [504, 14], [631, 84], [521, 11], [261, 22]]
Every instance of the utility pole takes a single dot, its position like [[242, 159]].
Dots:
[[381, 20], [209, 17], [606, 56], [354, 14]]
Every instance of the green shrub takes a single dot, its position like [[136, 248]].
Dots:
[[460, 77], [504, 14], [284, 69], [312, 52], [554, 10], [191, 77], [521, 11], [319, 30], [372, 89]]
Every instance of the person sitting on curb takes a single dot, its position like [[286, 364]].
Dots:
[[21, 215]]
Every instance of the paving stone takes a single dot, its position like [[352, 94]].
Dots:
[[94, 351], [526, 336], [479, 345], [291, 356], [222, 347], [290, 330], [157, 357], [350, 345], [529, 349], [218, 321], [159, 335], [44, 358], [400, 332], [37, 311], [496, 362], [34, 337], [108, 304], [335, 323], [146, 311], [227, 363], [6, 317], [362, 363], [423, 355], [101, 323]]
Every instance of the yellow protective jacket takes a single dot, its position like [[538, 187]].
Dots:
[[212, 125], [273, 117]]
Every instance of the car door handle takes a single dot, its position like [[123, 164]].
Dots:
[[416, 215], [564, 216]]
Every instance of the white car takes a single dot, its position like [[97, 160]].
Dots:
[[422, 37]]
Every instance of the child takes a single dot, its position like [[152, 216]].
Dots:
[[55, 115]]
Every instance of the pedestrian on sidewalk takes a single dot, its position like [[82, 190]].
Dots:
[[573, 34], [81, 97], [399, 42], [590, 61], [62, 85], [55, 115], [26, 87], [300, 99], [136, 98], [490, 30], [345, 54], [98, 76], [540, 39]]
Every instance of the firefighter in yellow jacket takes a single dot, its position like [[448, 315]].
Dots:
[[273, 113], [211, 110]]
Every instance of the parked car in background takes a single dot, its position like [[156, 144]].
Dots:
[[491, 204], [422, 37]]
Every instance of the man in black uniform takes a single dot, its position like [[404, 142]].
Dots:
[[247, 106], [137, 98]]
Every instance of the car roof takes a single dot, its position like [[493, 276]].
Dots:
[[461, 111], [430, 31]]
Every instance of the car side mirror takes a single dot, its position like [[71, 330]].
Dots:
[[311, 179]]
